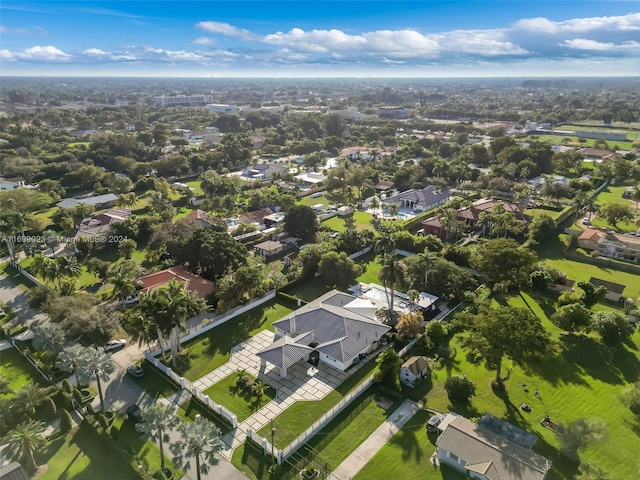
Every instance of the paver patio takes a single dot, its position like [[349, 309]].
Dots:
[[303, 382]]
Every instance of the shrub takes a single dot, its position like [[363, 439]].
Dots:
[[459, 388], [612, 327], [103, 420], [66, 423], [90, 409], [67, 386], [77, 396], [49, 408], [567, 298]]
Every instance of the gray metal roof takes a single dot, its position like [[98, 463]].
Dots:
[[285, 352], [340, 333]]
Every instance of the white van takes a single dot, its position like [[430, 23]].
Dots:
[[316, 195]]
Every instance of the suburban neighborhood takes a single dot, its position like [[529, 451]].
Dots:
[[318, 278]]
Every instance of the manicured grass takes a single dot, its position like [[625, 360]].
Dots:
[[156, 383], [195, 186], [191, 408], [564, 140], [82, 454], [16, 278], [613, 194], [334, 443], [17, 370], [239, 401], [301, 415], [371, 268], [213, 348], [129, 437], [552, 212], [336, 223], [582, 379], [183, 212], [350, 428], [309, 290]]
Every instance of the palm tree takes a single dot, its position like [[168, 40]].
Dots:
[[24, 443], [590, 207], [48, 336], [69, 359], [39, 265], [69, 265], [157, 420], [96, 364], [141, 328], [123, 283], [636, 196], [385, 244], [375, 204], [181, 305], [391, 274], [153, 307], [427, 257], [393, 210], [199, 440], [30, 397]]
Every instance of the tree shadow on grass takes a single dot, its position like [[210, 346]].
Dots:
[[559, 366], [407, 438], [613, 366]]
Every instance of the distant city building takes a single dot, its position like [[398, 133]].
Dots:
[[612, 136], [396, 112], [165, 101], [217, 107]]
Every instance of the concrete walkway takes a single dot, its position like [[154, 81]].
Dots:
[[361, 455], [16, 299]]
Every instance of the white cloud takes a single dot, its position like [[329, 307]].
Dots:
[[204, 41], [95, 52], [586, 44], [629, 22], [22, 31], [37, 53], [178, 55], [226, 29]]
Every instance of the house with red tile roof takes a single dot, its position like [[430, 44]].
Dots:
[[195, 284]]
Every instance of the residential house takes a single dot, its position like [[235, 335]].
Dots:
[[263, 171], [12, 183], [596, 155], [193, 283], [420, 200], [480, 453], [396, 112], [311, 178], [537, 182], [269, 248], [336, 329], [614, 290], [611, 244], [414, 369], [471, 215], [98, 201], [274, 220], [96, 227], [256, 217], [203, 219]]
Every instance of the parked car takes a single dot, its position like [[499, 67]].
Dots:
[[134, 413], [585, 221], [434, 421], [114, 346], [131, 299], [135, 371]]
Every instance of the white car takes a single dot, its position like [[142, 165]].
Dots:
[[131, 299], [114, 346]]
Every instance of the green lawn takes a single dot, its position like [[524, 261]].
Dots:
[[569, 140], [82, 454], [191, 408], [334, 443], [552, 212], [582, 379], [614, 195], [213, 348], [239, 401], [195, 186], [17, 370], [336, 223], [183, 212], [309, 290], [156, 383], [301, 415], [371, 268], [16, 278]]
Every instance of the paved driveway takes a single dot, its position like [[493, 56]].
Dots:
[[16, 299]]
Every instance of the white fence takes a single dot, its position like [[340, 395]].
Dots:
[[26, 274], [286, 452], [188, 386], [360, 253]]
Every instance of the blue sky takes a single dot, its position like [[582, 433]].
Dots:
[[328, 38]]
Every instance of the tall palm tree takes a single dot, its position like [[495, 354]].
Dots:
[[96, 364], [123, 283], [69, 265], [157, 420], [69, 359], [427, 256], [393, 210], [375, 204], [24, 443], [199, 440], [181, 306], [141, 328], [39, 264], [590, 207], [30, 397], [385, 244], [153, 306], [391, 274]]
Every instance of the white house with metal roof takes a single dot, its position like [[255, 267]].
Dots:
[[335, 329]]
